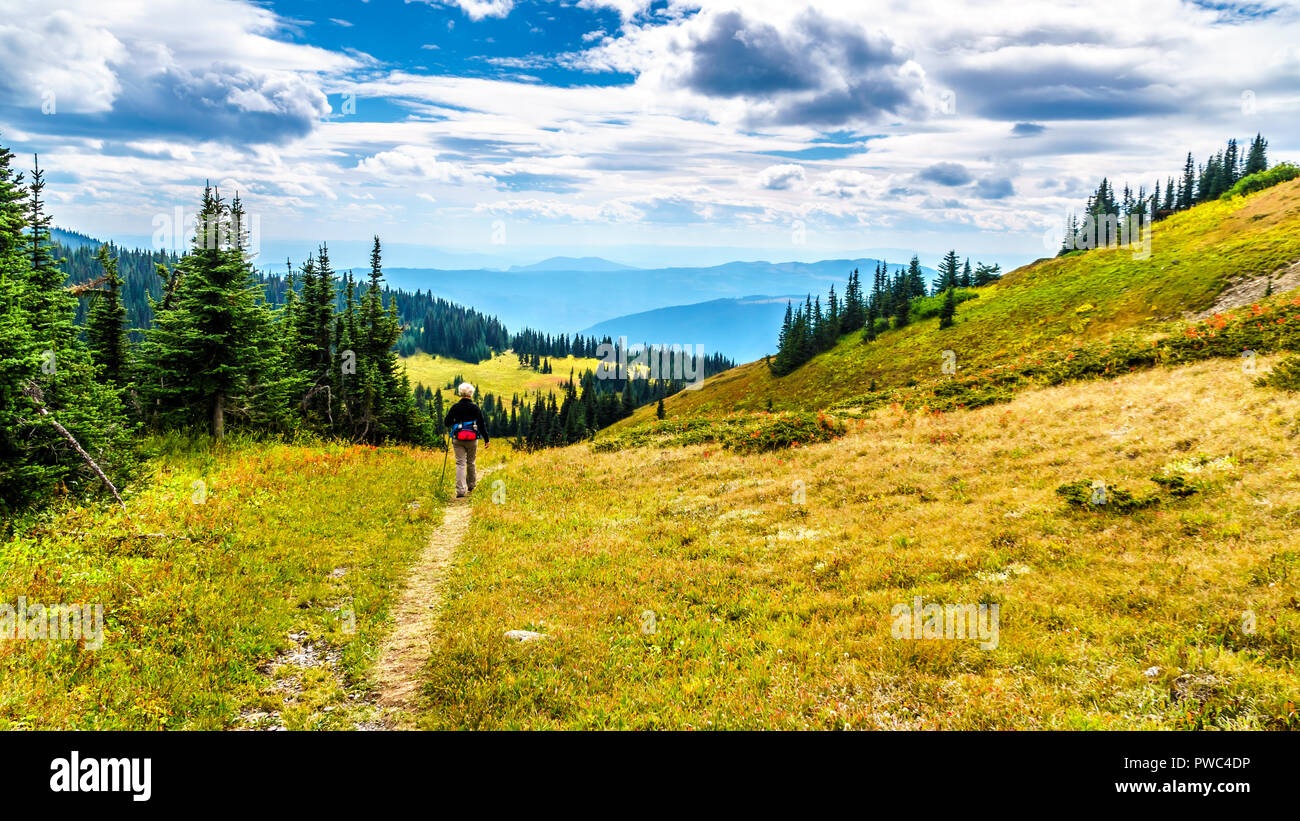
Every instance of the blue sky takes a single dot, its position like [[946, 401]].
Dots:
[[650, 133]]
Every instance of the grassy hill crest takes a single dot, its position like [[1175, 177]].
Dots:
[[1052, 304]]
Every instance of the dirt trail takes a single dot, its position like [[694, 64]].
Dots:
[[406, 650]]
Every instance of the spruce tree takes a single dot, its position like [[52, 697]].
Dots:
[[915, 279], [902, 311], [106, 323], [1256, 157], [200, 358], [22, 475], [854, 312], [381, 329], [949, 270], [985, 274], [949, 309], [781, 363], [1187, 193]]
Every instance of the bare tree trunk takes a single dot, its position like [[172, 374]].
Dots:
[[34, 393], [219, 417]]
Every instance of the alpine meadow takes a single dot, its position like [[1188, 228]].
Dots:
[[649, 366]]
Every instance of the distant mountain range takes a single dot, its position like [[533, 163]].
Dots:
[[714, 306], [564, 301], [73, 239], [573, 264], [744, 329]]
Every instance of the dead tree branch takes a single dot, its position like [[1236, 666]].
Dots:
[[33, 392]]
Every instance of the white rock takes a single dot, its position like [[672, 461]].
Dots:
[[1151, 672], [524, 635]]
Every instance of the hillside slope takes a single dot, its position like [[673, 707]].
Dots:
[[696, 587], [1050, 304]]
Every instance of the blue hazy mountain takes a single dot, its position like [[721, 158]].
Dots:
[[573, 264], [567, 301], [744, 329], [72, 239]]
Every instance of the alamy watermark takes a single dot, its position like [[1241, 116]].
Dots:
[[68, 622], [178, 234], [975, 622], [1110, 231], [681, 362], [72, 773]]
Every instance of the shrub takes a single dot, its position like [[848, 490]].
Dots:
[[1285, 375], [783, 430], [968, 393], [1280, 173], [664, 433], [929, 306], [1117, 500], [1175, 485]]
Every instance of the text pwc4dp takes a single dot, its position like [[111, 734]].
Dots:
[[1219, 763]]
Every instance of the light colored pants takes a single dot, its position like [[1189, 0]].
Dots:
[[466, 478]]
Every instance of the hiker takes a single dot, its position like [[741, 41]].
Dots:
[[467, 426]]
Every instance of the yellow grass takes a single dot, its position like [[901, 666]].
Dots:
[[688, 588], [502, 375]]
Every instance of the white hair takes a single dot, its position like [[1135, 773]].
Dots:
[[465, 389]]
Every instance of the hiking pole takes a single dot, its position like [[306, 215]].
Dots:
[[445, 450]]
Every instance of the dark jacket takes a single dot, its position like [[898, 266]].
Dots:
[[464, 411]]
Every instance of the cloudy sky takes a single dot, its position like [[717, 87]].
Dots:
[[634, 130]]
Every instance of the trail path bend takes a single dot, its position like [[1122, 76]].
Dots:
[[406, 649]]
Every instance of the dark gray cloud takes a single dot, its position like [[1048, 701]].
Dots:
[[820, 72], [737, 57], [1027, 129], [1056, 87], [225, 102], [994, 188], [946, 173]]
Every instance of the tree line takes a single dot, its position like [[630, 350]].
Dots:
[[591, 400], [894, 300], [1198, 183], [431, 324], [447, 329], [532, 346]]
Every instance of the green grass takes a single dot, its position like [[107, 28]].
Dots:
[[288, 539], [743, 433]]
